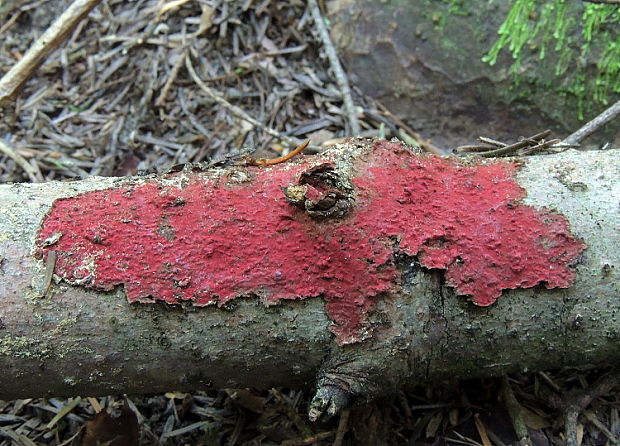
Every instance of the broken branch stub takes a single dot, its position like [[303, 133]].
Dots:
[[322, 193]]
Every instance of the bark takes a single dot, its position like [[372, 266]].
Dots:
[[85, 337]]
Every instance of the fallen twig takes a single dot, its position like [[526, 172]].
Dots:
[[514, 410], [531, 141], [540, 146], [12, 81], [10, 22], [341, 77], [161, 99], [531, 144], [573, 403], [592, 418], [32, 173], [423, 143], [469, 148], [593, 125], [491, 141], [233, 108]]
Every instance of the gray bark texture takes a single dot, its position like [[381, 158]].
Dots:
[[77, 340]]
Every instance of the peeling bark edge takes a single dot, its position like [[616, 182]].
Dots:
[[83, 341]]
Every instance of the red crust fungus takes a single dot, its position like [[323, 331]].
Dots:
[[212, 240]]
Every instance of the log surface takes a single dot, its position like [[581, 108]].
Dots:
[[80, 339]]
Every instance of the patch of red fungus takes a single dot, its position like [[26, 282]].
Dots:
[[213, 240]]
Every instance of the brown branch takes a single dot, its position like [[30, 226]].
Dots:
[[341, 77], [514, 411], [12, 81], [149, 347], [535, 142], [594, 124]]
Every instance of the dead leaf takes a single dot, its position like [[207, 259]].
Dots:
[[247, 399], [103, 429]]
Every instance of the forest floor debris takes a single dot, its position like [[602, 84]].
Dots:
[[146, 85]]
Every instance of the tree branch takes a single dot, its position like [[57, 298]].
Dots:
[[593, 125], [12, 81], [349, 266], [341, 77]]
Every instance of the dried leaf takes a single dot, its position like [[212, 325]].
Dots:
[[247, 399], [104, 429]]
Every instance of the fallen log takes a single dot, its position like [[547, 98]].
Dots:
[[360, 270]]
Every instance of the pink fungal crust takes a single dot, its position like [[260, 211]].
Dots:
[[213, 240]]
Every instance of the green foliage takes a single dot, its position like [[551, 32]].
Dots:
[[552, 29]]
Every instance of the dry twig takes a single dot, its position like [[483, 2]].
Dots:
[[161, 99], [593, 125], [514, 410], [529, 145], [43, 46], [233, 108], [511, 148], [592, 418], [573, 403], [10, 22], [341, 77], [32, 173]]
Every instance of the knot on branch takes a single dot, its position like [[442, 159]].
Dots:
[[321, 192]]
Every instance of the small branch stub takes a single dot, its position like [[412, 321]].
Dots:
[[321, 193]]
